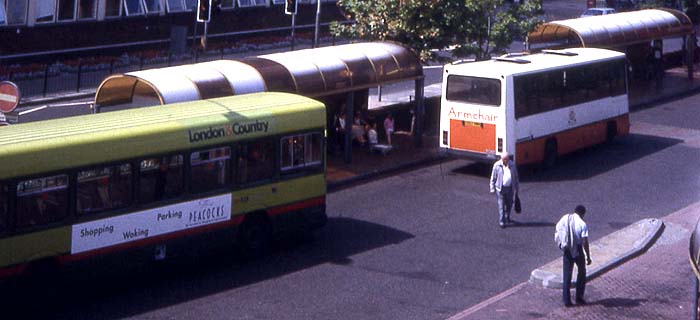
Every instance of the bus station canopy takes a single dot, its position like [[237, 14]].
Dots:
[[311, 72], [613, 30]]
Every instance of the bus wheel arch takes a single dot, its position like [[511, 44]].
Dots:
[[551, 153], [255, 234]]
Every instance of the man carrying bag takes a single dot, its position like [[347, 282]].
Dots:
[[572, 238]]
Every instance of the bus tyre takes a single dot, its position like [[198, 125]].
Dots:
[[550, 153], [255, 236], [611, 132]]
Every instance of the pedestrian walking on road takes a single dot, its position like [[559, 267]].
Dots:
[[572, 236], [504, 182]]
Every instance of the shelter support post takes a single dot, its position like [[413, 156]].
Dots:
[[658, 45], [690, 56], [419, 112], [349, 120]]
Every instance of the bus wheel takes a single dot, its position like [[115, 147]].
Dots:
[[550, 153], [255, 235], [611, 132]]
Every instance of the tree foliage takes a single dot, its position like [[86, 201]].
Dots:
[[474, 28]]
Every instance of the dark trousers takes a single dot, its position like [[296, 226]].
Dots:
[[505, 203], [580, 262]]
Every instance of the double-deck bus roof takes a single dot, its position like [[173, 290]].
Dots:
[[516, 64], [53, 145]]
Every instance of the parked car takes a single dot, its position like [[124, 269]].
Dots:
[[590, 12]]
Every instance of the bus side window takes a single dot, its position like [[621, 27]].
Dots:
[[301, 151], [255, 161], [209, 169], [104, 188], [42, 200], [3, 207], [161, 178]]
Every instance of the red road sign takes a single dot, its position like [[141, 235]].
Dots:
[[9, 96]]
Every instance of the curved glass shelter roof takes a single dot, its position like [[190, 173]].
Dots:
[[311, 72], [613, 30]]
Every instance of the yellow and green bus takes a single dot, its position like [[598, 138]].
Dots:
[[251, 167]]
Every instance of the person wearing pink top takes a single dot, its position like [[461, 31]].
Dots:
[[389, 127]]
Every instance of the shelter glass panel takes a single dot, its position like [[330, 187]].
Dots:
[[16, 12], [66, 10], [161, 178], [209, 169], [113, 8], [474, 90], [42, 200], [104, 188], [44, 11], [256, 161], [87, 9]]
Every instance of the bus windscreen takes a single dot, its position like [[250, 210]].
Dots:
[[474, 90]]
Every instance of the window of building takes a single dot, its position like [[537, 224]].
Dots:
[[161, 178], [104, 188], [66, 10], [16, 12], [133, 7], [255, 161], [190, 4], [113, 8], [301, 151], [474, 90], [42, 200], [209, 169], [3, 207], [251, 3], [227, 4], [175, 5], [3, 15], [44, 11], [152, 6], [87, 9]]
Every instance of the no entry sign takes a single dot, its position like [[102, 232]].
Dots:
[[9, 96]]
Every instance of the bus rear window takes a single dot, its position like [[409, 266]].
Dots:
[[42, 200], [474, 90], [301, 151]]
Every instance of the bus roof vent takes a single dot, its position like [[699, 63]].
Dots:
[[560, 52], [516, 57], [513, 60], [461, 61]]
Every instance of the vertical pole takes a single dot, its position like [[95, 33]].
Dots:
[[204, 37], [419, 112], [194, 36], [293, 27], [318, 23], [695, 297], [349, 120], [80, 75], [691, 55], [46, 79]]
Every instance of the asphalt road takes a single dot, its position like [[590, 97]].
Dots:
[[422, 244]]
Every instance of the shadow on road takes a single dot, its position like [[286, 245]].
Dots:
[[586, 163], [113, 291]]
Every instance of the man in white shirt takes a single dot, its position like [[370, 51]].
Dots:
[[577, 233], [504, 182]]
